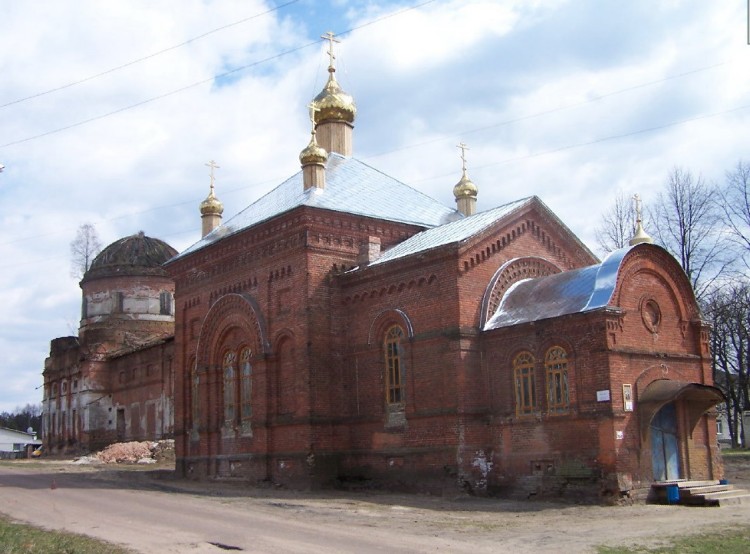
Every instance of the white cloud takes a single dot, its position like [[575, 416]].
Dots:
[[423, 80]]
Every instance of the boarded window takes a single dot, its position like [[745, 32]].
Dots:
[[165, 303]]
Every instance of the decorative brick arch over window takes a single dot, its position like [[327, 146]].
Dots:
[[556, 370], [510, 273], [239, 310], [232, 331], [385, 319], [524, 383]]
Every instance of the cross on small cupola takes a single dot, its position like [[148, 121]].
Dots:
[[640, 234], [463, 148], [329, 36], [312, 110], [465, 190], [313, 157], [334, 117], [213, 165], [211, 208]]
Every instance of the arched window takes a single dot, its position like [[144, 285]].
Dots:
[[246, 385], [230, 359], [523, 374], [556, 366], [394, 369]]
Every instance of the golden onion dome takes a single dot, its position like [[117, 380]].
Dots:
[[333, 103], [313, 153], [465, 188], [211, 205]]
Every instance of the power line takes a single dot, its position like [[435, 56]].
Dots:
[[597, 141], [144, 58], [493, 164], [208, 80], [550, 111], [507, 122], [154, 98]]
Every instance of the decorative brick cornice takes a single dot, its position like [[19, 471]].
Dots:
[[239, 254], [489, 248], [393, 288]]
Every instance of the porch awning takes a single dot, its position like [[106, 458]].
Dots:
[[698, 400]]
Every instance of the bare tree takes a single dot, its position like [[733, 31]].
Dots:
[[83, 250], [686, 222], [729, 313], [617, 225], [734, 203]]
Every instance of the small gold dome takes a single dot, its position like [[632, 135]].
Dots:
[[333, 103], [640, 236], [313, 153], [465, 188], [211, 205]]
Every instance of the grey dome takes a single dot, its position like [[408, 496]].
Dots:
[[134, 255]]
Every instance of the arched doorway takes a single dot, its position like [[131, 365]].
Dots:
[[665, 457], [669, 411]]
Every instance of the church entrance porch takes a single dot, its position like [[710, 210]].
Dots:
[[672, 436]]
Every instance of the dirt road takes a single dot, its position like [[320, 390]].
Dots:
[[136, 509]]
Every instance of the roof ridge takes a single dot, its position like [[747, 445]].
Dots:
[[452, 232], [353, 187]]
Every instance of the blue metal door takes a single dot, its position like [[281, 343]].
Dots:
[[665, 457]]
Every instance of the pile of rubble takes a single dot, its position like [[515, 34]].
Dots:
[[146, 452]]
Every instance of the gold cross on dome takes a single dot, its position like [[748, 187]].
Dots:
[[329, 37], [212, 164], [313, 108], [637, 200], [463, 148]]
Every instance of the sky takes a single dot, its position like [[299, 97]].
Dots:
[[109, 112]]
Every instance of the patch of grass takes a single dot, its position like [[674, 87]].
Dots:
[[735, 453], [722, 541], [17, 538]]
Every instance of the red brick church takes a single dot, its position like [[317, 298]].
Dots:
[[347, 329]]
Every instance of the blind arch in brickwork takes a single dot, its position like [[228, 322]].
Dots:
[[231, 311], [509, 273]]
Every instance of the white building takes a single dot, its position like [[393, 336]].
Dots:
[[16, 441]]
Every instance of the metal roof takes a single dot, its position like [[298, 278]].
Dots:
[[569, 292], [454, 232], [352, 187], [134, 255]]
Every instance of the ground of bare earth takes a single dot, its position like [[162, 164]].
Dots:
[[149, 510]]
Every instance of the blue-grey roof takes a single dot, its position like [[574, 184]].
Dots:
[[454, 232], [569, 292], [352, 187]]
